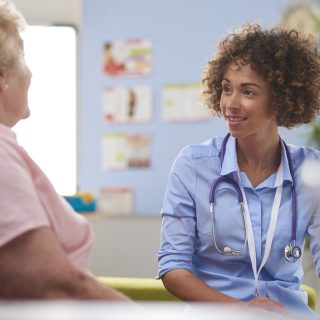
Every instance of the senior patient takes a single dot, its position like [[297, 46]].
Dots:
[[44, 244]]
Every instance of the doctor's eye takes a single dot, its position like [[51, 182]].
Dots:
[[226, 89], [249, 93]]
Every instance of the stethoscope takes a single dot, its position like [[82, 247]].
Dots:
[[292, 252]]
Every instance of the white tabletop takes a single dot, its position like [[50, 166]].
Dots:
[[72, 310]]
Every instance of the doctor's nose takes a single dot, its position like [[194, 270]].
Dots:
[[233, 102]]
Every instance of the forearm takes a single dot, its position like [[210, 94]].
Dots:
[[33, 266], [68, 283], [187, 287], [81, 285]]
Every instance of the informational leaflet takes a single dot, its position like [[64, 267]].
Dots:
[[115, 201], [121, 151], [132, 57], [127, 105], [182, 103]]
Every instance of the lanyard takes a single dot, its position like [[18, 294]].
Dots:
[[271, 228]]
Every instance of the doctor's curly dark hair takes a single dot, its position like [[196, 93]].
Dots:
[[287, 59]]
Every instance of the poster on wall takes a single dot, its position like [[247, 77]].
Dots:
[[182, 103], [115, 200], [127, 104], [121, 151], [130, 57]]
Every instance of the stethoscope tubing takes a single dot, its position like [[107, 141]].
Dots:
[[237, 188], [294, 197]]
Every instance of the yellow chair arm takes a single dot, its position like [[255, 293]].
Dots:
[[312, 295], [148, 289], [144, 289]]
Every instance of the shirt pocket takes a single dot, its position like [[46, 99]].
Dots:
[[227, 216]]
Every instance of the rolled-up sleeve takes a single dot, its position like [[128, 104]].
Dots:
[[178, 217]]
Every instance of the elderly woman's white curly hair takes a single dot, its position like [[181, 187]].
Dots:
[[11, 23]]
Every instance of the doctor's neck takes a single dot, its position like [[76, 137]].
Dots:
[[258, 155]]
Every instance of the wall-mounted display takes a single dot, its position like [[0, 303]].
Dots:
[[121, 150], [127, 58], [127, 104], [182, 103]]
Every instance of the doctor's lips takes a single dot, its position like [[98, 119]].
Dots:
[[233, 121]]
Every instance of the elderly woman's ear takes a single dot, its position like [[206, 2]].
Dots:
[[3, 83]]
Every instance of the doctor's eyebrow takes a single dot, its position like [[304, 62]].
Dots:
[[244, 84]]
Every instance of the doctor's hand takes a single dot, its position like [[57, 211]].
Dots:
[[266, 304]]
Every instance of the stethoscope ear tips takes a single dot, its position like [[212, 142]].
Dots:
[[292, 252]]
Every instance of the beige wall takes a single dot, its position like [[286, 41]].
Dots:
[[50, 12], [125, 246]]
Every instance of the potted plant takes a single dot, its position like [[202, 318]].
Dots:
[[314, 135]]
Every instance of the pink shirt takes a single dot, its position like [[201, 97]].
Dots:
[[29, 201]]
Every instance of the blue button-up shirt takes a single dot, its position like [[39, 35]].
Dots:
[[187, 233]]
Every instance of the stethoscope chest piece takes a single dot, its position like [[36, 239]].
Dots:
[[292, 252]]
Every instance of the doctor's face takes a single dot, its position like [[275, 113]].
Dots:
[[246, 102]]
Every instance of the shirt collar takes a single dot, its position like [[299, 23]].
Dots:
[[286, 170], [230, 164]]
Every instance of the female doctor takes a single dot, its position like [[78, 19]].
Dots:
[[237, 210]]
